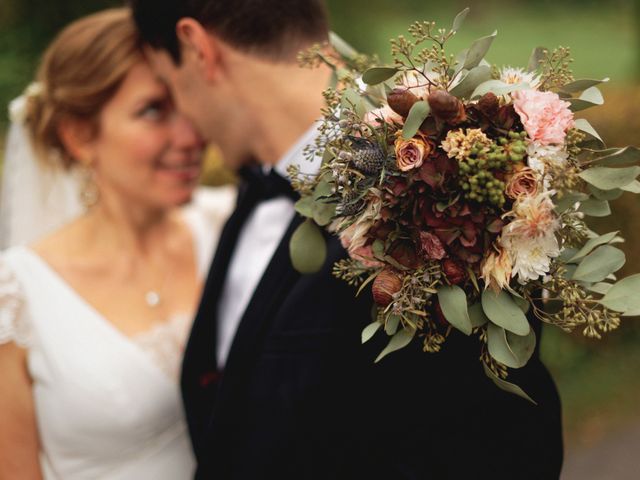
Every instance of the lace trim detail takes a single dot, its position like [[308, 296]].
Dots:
[[165, 344], [13, 327]]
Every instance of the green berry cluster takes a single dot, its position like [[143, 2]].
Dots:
[[482, 172]]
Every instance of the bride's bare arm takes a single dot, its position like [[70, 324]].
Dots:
[[19, 445]]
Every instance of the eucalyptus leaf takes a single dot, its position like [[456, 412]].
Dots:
[[537, 55], [453, 302], [568, 200], [595, 208], [305, 206], [605, 194], [606, 178], [322, 190], [324, 213], [418, 113], [600, 263], [522, 303], [512, 350], [497, 87], [567, 254], [593, 243], [353, 98], [478, 50], [342, 47], [624, 296], [459, 20], [502, 310], [398, 341], [377, 75], [507, 386], [369, 331], [591, 97], [614, 157], [633, 187], [600, 287], [581, 85], [477, 316], [391, 325], [307, 248], [584, 126], [470, 82]]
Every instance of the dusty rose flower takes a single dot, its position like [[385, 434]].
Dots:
[[524, 182], [454, 272], [496, 270], [431, 247], [365, 256], [411, 153], [545, 116]]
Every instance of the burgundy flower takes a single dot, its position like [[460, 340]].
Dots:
[[431, 246], [405, 254], [454, 271]]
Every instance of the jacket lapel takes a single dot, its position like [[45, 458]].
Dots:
[[277, 281]]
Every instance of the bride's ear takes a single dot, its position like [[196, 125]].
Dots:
[[200, 46], [76, 137]]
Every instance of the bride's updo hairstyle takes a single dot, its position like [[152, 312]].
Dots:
[[79, 73]]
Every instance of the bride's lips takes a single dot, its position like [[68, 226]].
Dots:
[[180, 170]]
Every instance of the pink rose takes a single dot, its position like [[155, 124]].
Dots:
[[545, 116]]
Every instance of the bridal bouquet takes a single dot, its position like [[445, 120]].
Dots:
[[460, 190]]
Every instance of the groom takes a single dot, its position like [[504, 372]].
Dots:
[[275, 382]]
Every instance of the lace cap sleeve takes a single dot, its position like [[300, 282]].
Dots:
[[13, 326]]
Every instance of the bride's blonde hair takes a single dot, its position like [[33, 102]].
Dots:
[[79, 73]]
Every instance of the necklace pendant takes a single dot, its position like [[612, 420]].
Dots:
[[152, 298]]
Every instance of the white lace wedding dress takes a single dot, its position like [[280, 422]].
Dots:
[[108, 406]]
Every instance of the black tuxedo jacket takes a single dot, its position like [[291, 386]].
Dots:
[[301, 398]]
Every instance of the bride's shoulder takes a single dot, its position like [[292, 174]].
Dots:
[[13, 328]]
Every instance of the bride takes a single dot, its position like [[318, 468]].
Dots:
[[94, 316]]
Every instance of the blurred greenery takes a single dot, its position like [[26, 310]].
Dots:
[[598, 380]]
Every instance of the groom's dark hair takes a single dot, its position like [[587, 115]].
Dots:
[[275, 29]]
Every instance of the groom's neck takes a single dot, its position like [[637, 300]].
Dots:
[[284, 101]]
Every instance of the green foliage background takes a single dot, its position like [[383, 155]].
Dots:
[[598, 380]]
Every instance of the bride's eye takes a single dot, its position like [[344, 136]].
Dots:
[[155, 111]]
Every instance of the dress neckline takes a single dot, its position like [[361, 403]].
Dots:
[[99, 319]]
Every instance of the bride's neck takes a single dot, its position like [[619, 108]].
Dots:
[[128, 229]]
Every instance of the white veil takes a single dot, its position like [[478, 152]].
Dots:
[[34, 199]]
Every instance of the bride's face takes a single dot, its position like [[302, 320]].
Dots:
[[145, 150]]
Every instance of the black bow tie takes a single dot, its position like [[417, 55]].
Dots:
[[267, 185]]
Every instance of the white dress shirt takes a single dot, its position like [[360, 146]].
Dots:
[[257, 243]]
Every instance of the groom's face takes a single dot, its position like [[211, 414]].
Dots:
[[212, 108]]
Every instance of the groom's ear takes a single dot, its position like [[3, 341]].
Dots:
[[200, 46]]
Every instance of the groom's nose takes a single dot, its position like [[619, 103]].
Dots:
[[185, 134]]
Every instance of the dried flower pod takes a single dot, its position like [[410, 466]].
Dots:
[[368, 157], [489, 104], [447, 107], [454, 272], [401, 100], [386, 284]]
